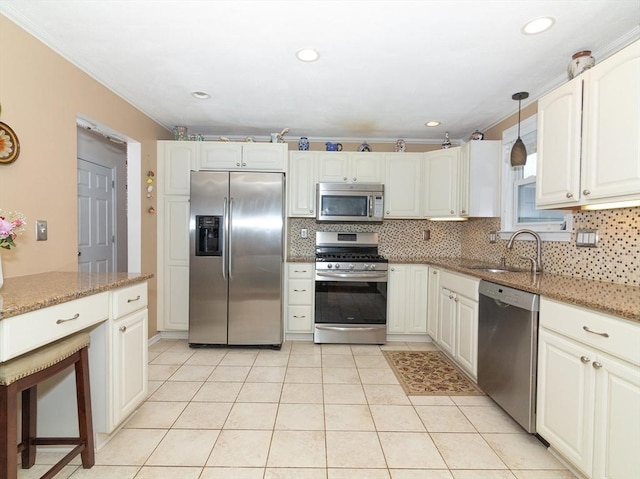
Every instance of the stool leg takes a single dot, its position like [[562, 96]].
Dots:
[[85, 421], [29, 426], [8, 432]]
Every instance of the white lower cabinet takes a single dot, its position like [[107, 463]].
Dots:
[[407, 299], [300, 300], [588, 404], [457, 324], [129, 350], [433, 298], [129, 337]]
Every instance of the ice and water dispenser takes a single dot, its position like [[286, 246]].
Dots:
[[208, 235]]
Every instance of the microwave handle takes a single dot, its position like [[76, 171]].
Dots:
[[370, 206]]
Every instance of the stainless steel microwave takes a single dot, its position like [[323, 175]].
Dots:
[[349, 202]]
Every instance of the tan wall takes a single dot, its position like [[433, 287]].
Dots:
[[41, 95], [495, 132]]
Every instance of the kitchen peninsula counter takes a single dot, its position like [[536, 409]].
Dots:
[[611, 298], [23, 294]]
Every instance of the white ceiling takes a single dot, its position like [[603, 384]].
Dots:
[[385, 67]]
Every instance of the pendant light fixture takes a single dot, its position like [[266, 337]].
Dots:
[[518, 151]]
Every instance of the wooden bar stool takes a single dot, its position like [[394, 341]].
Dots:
[[23, 374]]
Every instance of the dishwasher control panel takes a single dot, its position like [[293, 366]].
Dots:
[[510, 296]]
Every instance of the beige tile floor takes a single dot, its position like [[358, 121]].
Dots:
[[306, 412]]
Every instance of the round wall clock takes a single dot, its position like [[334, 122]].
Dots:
[[9, 144]]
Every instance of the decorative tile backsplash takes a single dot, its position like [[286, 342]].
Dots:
[[616, 258]]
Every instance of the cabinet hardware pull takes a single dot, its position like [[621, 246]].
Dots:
[[604, 335], [450, 296], [451, 211], [586, 192], [584, 359], [310, 211], [355, 179], [597, 365], [299, 270], [434, 272], [455, 299], [123, 328], [303, 316], [75, 316], [300, 290], [569, 195], [237, 164], [463, 212], [132, 300]]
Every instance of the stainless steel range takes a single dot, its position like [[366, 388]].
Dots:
[[351, 289]]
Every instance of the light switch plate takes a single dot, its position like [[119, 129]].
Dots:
[[41, 230], [587, 238], [304, 233]]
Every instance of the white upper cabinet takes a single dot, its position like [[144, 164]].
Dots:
[[402, 190], [301, 184], [340, 167], [463, 181], [220, 155], [588, 136], [176, 159], [441, 171]]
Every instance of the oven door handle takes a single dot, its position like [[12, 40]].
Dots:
[[354, 275], [347, 328]]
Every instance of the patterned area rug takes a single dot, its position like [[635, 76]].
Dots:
[[429, 373]]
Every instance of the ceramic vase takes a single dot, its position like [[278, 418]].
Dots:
[[580, 62], [303, 143]]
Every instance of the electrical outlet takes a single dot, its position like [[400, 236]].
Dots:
[[41, 230], [493, 236], [304, 233]]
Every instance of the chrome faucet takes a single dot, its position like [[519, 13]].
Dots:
[[536, 263]]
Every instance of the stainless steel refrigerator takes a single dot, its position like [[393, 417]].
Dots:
[[236, 258]]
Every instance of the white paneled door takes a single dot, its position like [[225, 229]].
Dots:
[[96, 252]]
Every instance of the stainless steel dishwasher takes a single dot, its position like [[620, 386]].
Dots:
[[507, 350]]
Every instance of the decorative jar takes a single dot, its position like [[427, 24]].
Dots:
[[580, 62]]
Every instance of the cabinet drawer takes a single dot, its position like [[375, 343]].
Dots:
[[464, 285], [299, 319], [129, 299], [300, 270], [300, 291], [35, 329], [623, 336]]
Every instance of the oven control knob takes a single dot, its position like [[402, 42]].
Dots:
[[329, 266], [372, 267], [337, 265], [351, 266]]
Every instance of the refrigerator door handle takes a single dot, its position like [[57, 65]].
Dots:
[[229, 222], [225, 225]]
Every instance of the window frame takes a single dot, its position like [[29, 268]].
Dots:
[[549, 231]]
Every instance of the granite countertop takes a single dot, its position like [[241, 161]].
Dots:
[[611, 298], [23, 294]]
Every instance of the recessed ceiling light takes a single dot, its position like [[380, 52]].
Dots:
[[200, 95], [538, 25], [307, 55], [432, 123]]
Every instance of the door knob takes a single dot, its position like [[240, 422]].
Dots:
[[569, 195], [584, 359], [586, 192]]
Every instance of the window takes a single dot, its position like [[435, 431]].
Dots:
[[519, 191]]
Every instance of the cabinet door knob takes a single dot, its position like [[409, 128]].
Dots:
[[434, 272], [244, 164], [463, 212], [569, 195], [355, 179], [455, 299], [597, 365], [388, 212], [123, 328], [237, 164], [310, 211], [584, 359], [450, 296], [451, 211], [344, 178], [586, 192]]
